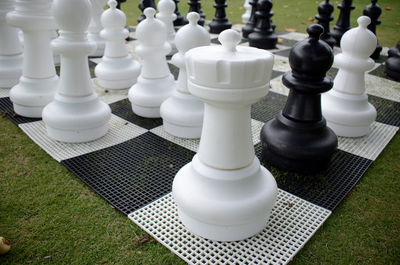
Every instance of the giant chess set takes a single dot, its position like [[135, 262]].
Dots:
[[229, 144]]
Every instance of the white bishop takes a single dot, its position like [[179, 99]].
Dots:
[[182, 113], [155, 83], [118, 69], [76, 114], [346, 107]]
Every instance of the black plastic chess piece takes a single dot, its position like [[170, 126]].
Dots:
[[324, 17], [143, 5], [119, 2], [249, 27], [180, 20], [220, 22], [343, 23], [373, 11], [298, 139], [392, 63], [263, 36], [195, 6]]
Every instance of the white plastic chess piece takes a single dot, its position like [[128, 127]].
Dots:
[[182, 113], [95, 27], [117, 69], [38, 82], [10, 49], [56, 57], [225, 194], [346, 106], [76, 114], [246, 15], [155, 83], [166, 14]]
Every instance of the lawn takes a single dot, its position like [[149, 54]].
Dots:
[[51, 217]]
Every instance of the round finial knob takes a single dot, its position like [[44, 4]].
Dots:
[[112, 4], [149, 13], [193, 18], [229, 39], [314, 31], [167, 6], [363, 21]]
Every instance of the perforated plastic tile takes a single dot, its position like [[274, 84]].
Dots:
[[193, 144], [109, 95], [382, 87], [292, 223], [267, 108], [4, 92], [123, 109], [120, 131], [131, 174], [7, 110], [371, 145], [388, 111], [328, 188]]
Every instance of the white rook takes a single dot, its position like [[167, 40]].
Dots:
[[76, 114], [10, 49], [38, 82], [346, 107], [182, 113], [225, 194]]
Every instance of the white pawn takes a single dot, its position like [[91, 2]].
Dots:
[[246, 15], [346, 107], [95, 27], [182, 113], [155, 83], [10, 49], [166, 14], [117, 69], [76, 114], [38, 82], [225, 194]]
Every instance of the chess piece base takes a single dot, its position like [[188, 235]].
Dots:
[[117, 73], [182, 115], [30, 96], [300, 147], [10, 70], [147, 95], [262, 41], [377, 52], [217, 27], [348, 115], [392, 68], [76, 120], [224, 205]]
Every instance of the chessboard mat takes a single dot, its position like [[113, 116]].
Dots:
[[133, 167]]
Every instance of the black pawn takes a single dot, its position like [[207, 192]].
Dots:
[[298, 139], [220, 22], [180, 20], [373, 11], [324, 17], [249, 27], [343, 23], [143, 5], [393, 63], [263, 36], [195, 6], [119, 2]]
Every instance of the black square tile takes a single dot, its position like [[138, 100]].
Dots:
[[328, 188], [388, 111], [123, 109], [132, 174], [268, 107], [7, 110]]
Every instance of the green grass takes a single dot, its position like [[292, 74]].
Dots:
[[51, 217]]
